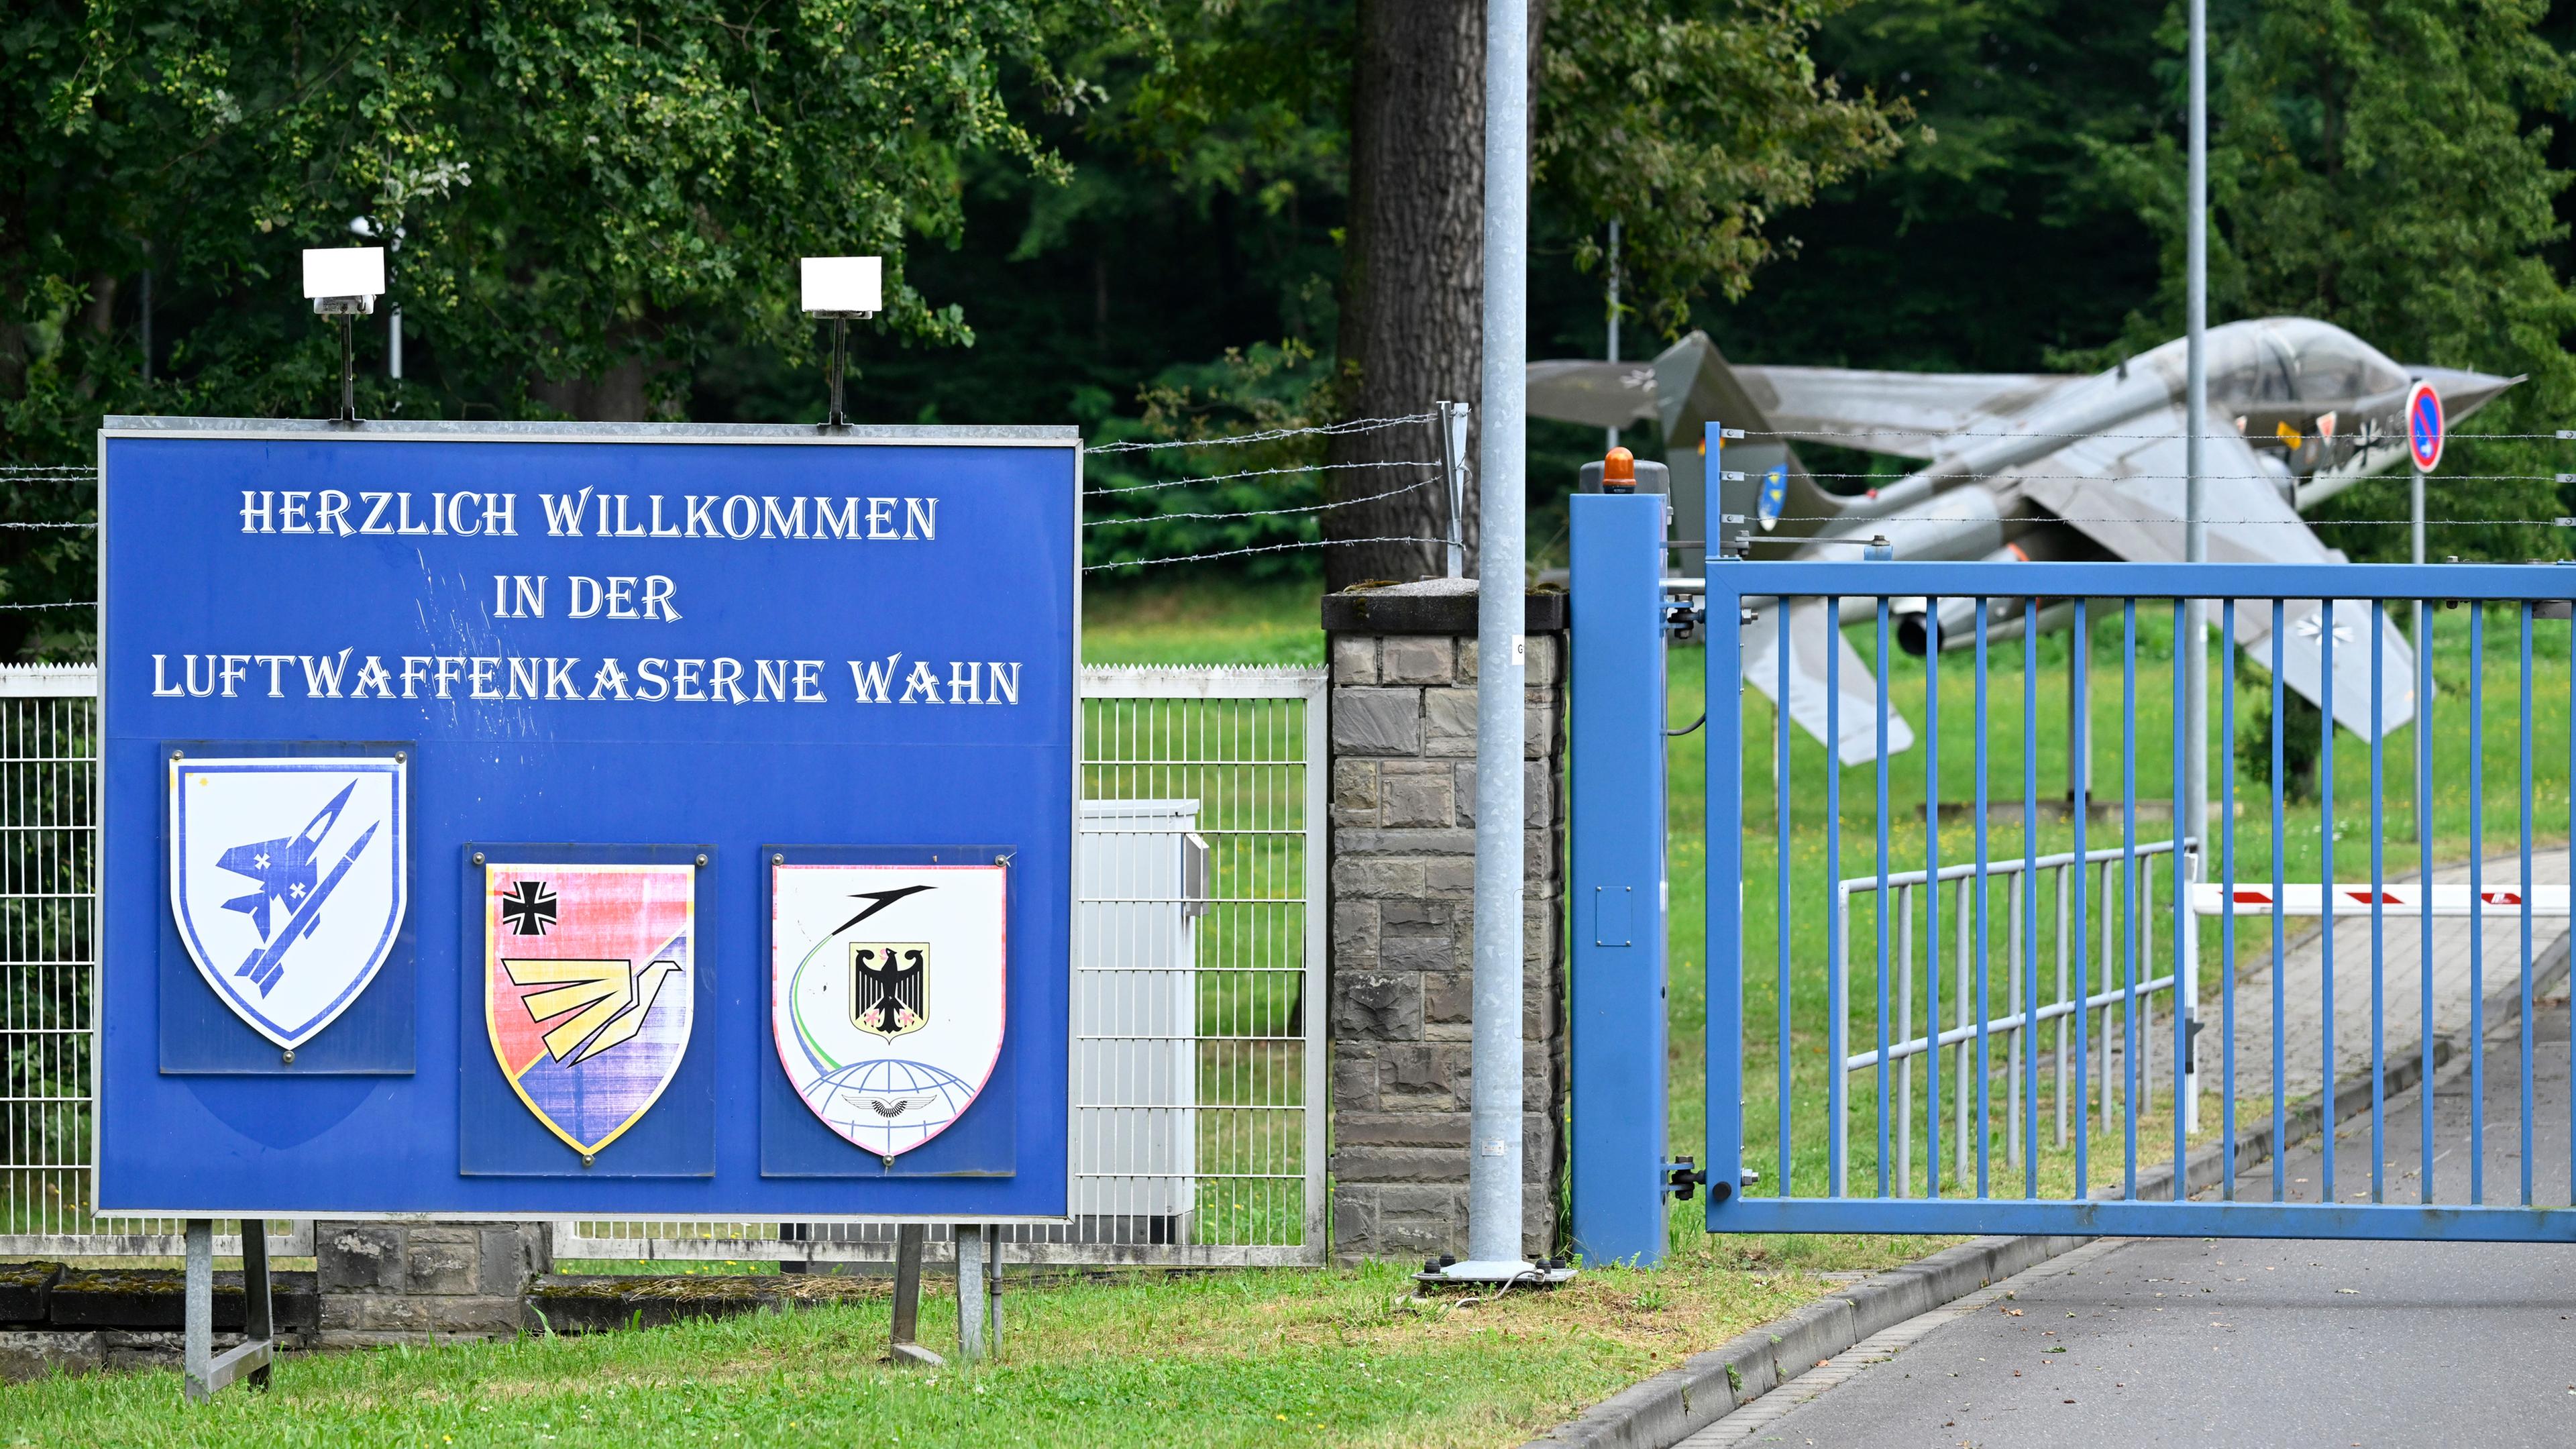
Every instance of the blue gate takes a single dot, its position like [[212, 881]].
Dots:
[[1821, 864]]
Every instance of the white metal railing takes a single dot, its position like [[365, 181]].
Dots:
[[2020, 1017]]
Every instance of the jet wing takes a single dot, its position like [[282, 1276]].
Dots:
[[1810, 635], [2125, 492], [1586, 390], [1905, 414]]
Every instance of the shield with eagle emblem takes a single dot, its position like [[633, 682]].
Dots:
[[589, 990], [887, 987]]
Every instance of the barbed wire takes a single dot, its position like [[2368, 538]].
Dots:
[[2268, 480], [1871, 518], [48, 525], [1257, 473], [66, 604], [1264, 548], [1413, 486], [1269, 435], [2393, 440]]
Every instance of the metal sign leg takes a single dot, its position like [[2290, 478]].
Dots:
[[907, 1299], [970, 1293], [207, 1371], [993, 1291]]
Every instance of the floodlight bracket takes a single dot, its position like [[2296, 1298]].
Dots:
[[358, 306], [836, 418], [348, 417]]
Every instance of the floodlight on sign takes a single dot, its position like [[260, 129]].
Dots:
[[844, 287], [344, 279]]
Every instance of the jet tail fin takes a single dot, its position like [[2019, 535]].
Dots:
[[1775, 501]]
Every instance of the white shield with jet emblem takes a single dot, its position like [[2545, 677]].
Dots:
[[288, 881], [887, 985]]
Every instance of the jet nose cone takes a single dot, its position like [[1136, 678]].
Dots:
[[2463, 392]]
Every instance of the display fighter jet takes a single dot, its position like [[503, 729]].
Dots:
[[2014, 467]]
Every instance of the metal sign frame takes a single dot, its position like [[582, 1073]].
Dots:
[[1036, 1191]]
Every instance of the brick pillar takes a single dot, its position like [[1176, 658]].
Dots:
[[1403, 902], [404, 1282]]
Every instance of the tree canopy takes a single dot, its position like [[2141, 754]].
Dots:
[[1133, 214]]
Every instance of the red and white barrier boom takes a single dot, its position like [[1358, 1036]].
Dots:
[[2548, 898]]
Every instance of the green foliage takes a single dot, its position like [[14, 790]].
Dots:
[[1170, 502], [1993, 236], [2378, 164], [1695, 124]]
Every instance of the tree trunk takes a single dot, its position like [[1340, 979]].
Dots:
[[1412, 279]]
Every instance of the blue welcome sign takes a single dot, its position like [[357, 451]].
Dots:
[[554, 819]]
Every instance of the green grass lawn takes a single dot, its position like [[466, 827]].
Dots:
[[1197, 623], [1341, 1357]]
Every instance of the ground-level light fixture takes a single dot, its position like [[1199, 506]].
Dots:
[[841, 288], [344, 282]]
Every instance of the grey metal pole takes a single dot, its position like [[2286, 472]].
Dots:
[[197, 1310], [971, 1302], [2415, 512], [1494, 1144], [2195, 530], [1612, 440], [393, 346], [1453, 467]]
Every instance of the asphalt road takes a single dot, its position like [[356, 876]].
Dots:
[[2249, 1342]]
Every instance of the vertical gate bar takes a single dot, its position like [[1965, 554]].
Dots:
[[2028, 1036], [1838, 1049], [2571, 860], [2065, 1033], [1932, 894], [2424, 874], [1884, 901], [1961, 963], [2080, 774], [2378, 912], [2129, 892], [2325, 875], [1905, 1032], [1985, 921], [1838, 985], [2280, 924], [2183, 1008], [2110, 965], [2145, 937], [2523, 888], [2015, 1016], [2227, 904], [1780, 749], [2477, 900], [1724, 902]]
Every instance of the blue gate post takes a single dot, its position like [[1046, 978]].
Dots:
[[1617, 715]]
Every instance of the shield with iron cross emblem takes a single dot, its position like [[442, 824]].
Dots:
[[589, 990]]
